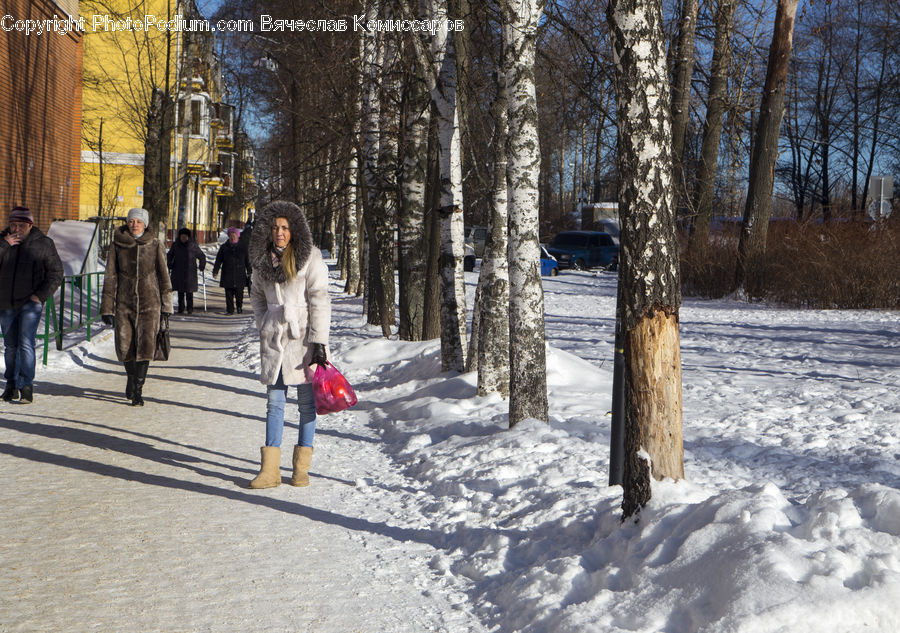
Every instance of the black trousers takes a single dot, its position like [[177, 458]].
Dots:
[[234, 298], [185, 300]]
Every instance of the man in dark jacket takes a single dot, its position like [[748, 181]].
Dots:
[[30, 272], [185, 258]]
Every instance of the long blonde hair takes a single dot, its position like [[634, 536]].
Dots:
[[287, 261]]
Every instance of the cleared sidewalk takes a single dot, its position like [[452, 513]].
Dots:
[[120, 518]]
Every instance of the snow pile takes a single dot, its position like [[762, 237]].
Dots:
[[524, 517], [525, 523]]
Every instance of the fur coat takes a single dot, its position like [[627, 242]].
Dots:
[[136, 290], [290, 314]]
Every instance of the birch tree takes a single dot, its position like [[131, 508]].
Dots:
[[528, 365], [350, 246], [648, 260], [758, 209], [411, 231], [681, 87], [439, 64], [716, 105], [494, 333], [453, 290], [375, 151]]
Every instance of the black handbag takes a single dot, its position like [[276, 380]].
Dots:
[[163, 346]]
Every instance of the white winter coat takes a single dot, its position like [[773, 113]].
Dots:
[[290, 315]]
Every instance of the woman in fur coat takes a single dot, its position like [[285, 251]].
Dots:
[[136, 295], [289, 294]]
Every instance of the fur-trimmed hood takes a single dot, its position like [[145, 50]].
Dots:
[[261, 239]]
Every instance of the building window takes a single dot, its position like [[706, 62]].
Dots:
[[199, 121]]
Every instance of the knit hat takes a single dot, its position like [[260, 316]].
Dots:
[[21, 214], [232, 231], [139, 214], [184, 231]]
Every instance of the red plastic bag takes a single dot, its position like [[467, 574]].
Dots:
[[331, 390]]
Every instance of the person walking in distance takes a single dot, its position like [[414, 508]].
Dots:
[[30, 272], [137, 295], [289, 294], [184, 260], [232, 261]]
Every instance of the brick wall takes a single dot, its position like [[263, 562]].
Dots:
[[40, 115]]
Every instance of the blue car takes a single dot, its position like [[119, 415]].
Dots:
[[549, 265], [585, 249]]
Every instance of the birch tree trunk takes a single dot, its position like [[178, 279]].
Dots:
[[387, 205], [350, 237], [752, 245], [493, 340], [453, 291], [352, 220], [439, 66], [712, 128], [380, 304], [528, 365], [648, 262], [431, 328], [681, 88], [411, 232]]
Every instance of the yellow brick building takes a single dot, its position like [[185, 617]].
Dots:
[[125, 61]]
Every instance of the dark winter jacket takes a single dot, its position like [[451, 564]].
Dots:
[[135, 291], [290, 314], [232, 261], [184, 260], [31, 267]]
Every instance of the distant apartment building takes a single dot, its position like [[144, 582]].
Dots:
[[40, 108]]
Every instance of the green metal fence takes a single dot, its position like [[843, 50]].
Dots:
[[79, 307]]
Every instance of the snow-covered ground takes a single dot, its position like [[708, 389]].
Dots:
[[424, 504]]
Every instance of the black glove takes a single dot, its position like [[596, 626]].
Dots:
[[318, 355], [108, 319]]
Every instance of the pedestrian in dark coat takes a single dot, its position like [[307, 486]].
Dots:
[[136, 296], [185, 259], [30, 272], [232, 261]]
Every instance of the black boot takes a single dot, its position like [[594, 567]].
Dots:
[[11, 393], [27, 395], [140, 375], [129, 386]]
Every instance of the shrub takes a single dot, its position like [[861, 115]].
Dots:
[[814, 265]]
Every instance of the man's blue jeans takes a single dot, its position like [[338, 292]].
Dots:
[[276, 397], [19, 328]]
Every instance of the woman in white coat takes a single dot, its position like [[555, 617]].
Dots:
[[289, 295]]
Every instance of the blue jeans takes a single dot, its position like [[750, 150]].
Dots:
[[19, 328], [276, 397]]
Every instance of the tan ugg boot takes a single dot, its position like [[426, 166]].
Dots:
[[302, 460], [270, 472]]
